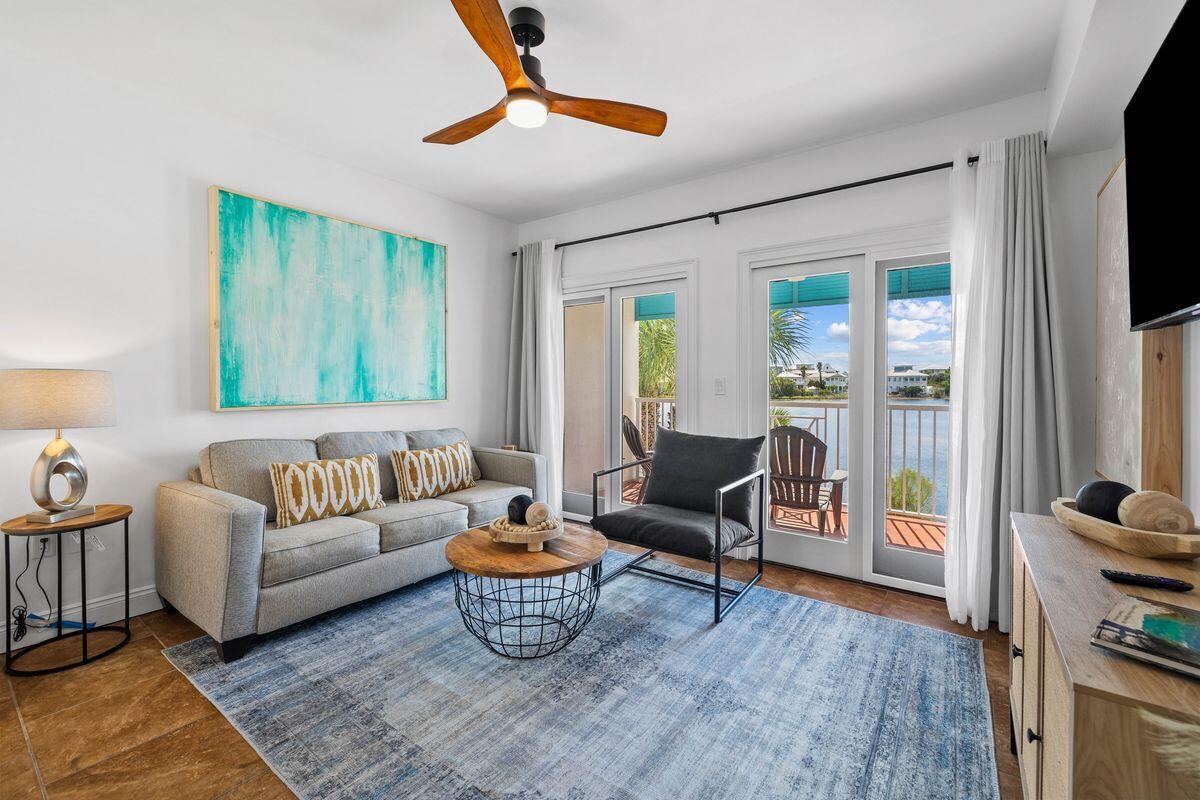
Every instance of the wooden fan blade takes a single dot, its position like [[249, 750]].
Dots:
[[488, 26], [625, 116], [469, 127]]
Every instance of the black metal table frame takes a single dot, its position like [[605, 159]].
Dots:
[[10, 659], [482, 606]]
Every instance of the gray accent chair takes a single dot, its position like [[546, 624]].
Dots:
[[221, 561]]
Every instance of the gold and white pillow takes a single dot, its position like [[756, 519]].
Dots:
[[433, 471], [311, 490]]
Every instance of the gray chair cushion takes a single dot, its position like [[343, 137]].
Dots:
[[423, 440], [299, 550], [675, 530], [360, 443], [688, 469], [406, 524], [486, 500], [242, 466]]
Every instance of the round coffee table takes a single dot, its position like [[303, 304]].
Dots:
[[522, 604]]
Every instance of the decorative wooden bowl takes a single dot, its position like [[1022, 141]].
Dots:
[[532, 536], [1148, 544]]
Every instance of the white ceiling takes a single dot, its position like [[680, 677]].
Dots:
[[361, 81]]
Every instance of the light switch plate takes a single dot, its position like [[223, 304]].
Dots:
[[719, 386]]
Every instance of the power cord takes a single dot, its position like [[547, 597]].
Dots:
[[20, 614]]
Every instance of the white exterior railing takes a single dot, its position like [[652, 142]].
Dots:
[[917, 438], [653, 413]]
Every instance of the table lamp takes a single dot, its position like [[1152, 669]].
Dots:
[[35, 399]]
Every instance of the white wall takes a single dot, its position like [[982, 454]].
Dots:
[[900, 202], [103, 225]]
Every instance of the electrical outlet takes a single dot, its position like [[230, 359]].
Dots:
[[93, 543], [51, 546]]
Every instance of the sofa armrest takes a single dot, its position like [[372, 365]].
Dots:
[[208, 556], [513, 466]]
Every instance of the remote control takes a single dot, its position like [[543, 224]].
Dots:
[[1150, 581]]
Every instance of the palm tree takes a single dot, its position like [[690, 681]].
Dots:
[[820, 375], [656, 358], [789, 338], [803, 370]]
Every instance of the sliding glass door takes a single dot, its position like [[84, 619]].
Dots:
[[806, 395], [648, 324], [912, 417], [625, 376]]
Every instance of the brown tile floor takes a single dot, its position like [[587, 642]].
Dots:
[[131, 726]]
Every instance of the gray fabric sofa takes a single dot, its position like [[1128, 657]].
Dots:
[[222, 563]]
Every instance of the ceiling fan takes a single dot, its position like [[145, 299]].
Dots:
[[527, 101]]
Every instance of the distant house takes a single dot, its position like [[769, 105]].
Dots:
[[903, 376], [837, 381]]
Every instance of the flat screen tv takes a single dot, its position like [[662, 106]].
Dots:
[[1162, 181]]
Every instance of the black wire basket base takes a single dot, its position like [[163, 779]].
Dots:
[[527, 618]]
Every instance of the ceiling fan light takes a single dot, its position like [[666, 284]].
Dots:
[[527, 111]]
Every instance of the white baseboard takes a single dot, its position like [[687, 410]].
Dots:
[[584, 518], [101, 611]]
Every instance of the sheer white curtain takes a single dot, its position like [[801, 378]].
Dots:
[[1009, 437], [535, 361], [976, 251]]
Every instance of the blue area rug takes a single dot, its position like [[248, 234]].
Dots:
[[787, 698]]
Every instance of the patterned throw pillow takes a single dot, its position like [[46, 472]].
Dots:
[[437, 470], [309, 490]]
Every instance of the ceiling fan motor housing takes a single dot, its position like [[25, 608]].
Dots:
[[528, 26]]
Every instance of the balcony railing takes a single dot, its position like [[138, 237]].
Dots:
[[653, 413], [916, 446]]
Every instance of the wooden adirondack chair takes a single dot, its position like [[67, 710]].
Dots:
[[797, 476], [633, 440]]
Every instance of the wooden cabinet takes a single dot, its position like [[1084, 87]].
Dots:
[[1088, 722]]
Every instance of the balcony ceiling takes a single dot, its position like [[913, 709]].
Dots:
[[361, 81]]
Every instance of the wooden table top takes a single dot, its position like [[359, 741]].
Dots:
[[1065, 569], [105, 514], [474, 551]]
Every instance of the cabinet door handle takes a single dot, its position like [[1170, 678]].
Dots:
[[1017, 652], [1031, 737]]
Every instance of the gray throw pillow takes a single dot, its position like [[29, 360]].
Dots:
[[688, 469]]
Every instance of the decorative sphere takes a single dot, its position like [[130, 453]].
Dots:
[[517, 508], [1101, 499], [537, 514]]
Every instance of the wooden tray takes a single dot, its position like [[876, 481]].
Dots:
[[1148, 544], [533, 539]]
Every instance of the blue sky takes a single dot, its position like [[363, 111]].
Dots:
[[918, 333]]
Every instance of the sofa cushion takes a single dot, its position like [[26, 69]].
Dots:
[[300, 550], [406, 524], [437, 437], [486, 500], [358, 443], [433, 471], [675, 530], [688, 469], [243, 466], [331, 487]]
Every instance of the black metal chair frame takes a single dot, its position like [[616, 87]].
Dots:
[[635, 564]]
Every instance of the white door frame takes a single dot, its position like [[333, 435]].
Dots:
[[601, 285], [875, 245]]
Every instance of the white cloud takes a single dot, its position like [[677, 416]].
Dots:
[[906, 330], [923, 310], [838, 330], [937, 347]]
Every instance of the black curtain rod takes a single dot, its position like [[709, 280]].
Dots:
[[715, 216]]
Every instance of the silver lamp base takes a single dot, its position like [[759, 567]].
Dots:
[[59, 458], [50, 517]]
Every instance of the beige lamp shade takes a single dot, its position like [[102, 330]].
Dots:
[[39, 399]]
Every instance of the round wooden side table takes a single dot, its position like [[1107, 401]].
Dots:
[[18, 527], [524, 604]]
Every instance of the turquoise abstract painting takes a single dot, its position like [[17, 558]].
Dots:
[[312, 310]]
